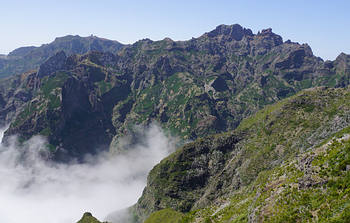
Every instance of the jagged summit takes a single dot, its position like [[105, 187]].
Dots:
[[194, 88], [235, 31], [342, 62], [343, 57]]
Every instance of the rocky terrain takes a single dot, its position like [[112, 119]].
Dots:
[[268, 120], [206, 85], [29, 58], [288, 163]]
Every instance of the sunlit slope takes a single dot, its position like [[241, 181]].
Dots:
[[280, 165]]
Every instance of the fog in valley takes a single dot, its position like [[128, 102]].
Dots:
[[35, 190]]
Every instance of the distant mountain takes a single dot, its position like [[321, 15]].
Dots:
[[21, 52], [207, 85], [28, 58]]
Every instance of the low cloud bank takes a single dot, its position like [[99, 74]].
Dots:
[[35, 190]]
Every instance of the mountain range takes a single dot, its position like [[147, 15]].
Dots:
[[264, 148], [29, 58]]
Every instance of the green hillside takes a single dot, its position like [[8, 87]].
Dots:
[[288, 163]]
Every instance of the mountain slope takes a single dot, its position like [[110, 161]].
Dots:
[[28, 58], [311, 188], [272, 168], [88, 218], [193, 88]]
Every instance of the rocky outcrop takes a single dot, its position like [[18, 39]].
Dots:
[[342, 63], [235, 32], [69, 107], [53, 64]]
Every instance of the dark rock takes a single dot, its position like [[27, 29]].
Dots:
[[236, 32], [220, 84], [53, 64]]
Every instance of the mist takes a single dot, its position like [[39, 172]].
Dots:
[[33, 189]]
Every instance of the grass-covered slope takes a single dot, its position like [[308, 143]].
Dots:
[[272, 168], [165, 216], [88, 218], [313, 187]]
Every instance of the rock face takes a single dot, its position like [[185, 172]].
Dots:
[[69, 108], [53, 64], [247, 173], [194, 88], [28, 58]]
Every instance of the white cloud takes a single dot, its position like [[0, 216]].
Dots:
[[35, 190]]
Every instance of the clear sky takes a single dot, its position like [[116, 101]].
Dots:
[[324, 25]]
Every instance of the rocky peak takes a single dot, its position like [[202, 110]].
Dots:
[[307, 49], [168, 40], [54, 63], [235, 31], [268, 34], [267, 31], [207, 74], [342, 63], [343, 58]]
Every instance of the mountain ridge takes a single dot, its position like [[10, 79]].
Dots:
[[255, 108], [24, 59], [193, 88]]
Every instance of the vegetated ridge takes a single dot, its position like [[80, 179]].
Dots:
[[206, 85], [288, 163]]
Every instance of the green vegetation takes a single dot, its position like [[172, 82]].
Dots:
[[88, 218], [294, 192], [51, 89], [51, 83], [104, 86], [194, 89], [286, 170], [165, 216]]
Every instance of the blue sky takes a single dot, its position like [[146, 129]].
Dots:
[[324, 25]]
